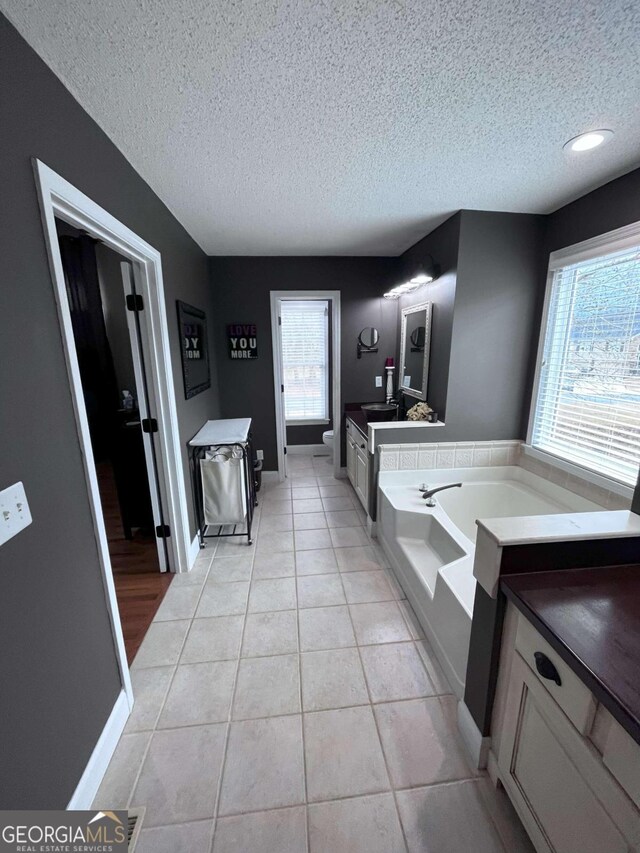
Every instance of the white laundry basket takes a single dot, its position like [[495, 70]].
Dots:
[[224, 490]]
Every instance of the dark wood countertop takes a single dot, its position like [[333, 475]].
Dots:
[[591, 617], [359, 420]]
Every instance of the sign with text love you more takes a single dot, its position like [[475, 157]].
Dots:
[[243, 341]]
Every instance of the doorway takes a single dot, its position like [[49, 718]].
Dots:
[[61, 200], [106, 331], [305, 329]]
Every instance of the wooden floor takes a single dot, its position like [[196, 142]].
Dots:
[[140, 585]]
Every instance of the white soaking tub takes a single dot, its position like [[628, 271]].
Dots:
[[432, 550]]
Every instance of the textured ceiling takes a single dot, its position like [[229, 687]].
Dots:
[[348, 127]]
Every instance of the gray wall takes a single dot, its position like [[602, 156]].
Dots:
[[242, 287], [485, 315], [58, 667]]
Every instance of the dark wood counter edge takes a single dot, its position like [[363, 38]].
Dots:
[[349, 416], [620, 712]]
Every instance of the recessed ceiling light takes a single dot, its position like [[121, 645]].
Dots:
[[587, 141]]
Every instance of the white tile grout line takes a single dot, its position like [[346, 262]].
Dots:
[[375, 722]]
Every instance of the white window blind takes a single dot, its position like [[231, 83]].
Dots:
[[587, 408], [305, 359]]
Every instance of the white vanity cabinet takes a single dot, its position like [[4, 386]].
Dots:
[[552, 742], [358, 463]]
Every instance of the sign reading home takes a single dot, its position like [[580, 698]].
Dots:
[[243, 340], [63, 832]]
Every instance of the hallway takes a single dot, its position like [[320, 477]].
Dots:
[[285, 697]]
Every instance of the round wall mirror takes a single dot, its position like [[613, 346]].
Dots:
[[418, 337], [368, 337]]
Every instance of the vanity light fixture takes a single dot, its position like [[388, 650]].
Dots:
[[423, 273], [587, 141]]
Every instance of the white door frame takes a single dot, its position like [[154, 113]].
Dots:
[[332, 296], [59, 198]]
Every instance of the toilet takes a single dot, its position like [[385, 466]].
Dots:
[[327, 439]]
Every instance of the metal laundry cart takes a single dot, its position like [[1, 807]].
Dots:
[[232, 433]]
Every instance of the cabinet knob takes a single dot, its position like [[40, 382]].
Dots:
[[546, 668], [362, 446]]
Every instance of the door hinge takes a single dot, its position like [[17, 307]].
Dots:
[[134, 302], [285, 451], [282, 388], [149, 425], [279, 321], [163, 531]]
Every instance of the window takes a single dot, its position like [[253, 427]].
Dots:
[[305, 360], [587, 402]]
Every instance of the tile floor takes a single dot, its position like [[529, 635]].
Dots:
[[286, 701]]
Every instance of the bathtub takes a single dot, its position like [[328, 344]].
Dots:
[[431, 550]]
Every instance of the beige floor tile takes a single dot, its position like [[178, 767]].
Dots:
[[357, 825], [395, 671], [150, 688], [276, 506], [349, 537], [200, 693], [272, 594], [398, 592], [180, 838], [214, 638], [319, 562], [305, 494], [276, 523], [307, 540], [357, 559], [334, 489], [344, 518], [162, 644], [380, 622], [276, 831], [364, 587], [223, 599], [306, 505], [267, 687], [280, 541], [198, 574], [179, 603], [343, 754], [340, 502], [325, 628], [234, 546], [277, 565], [229, 569], [421, 742], [264, 766], [309, 521], [303, 479], [320, 590], [117, 783], [270, 634], [180, 775], [446, 818], [332, 679]]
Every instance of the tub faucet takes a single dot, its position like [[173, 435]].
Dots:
[[428, 495]]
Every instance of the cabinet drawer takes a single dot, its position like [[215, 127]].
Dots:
[[571, 694]]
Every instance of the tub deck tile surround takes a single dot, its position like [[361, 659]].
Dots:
[[309, 745]]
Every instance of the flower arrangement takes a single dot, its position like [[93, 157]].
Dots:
[[419, 412]]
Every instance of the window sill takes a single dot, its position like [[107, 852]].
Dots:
[[600, 480], [307, 423]]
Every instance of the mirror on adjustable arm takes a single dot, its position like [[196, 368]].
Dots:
[[368, 340], [415, 340]]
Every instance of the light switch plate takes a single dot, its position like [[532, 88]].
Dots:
[[378, 381], [14, 512]]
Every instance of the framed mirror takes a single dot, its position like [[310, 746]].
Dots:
[[415, 340], [368, 340]]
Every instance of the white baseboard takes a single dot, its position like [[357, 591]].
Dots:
[[194, 550], [307, 449], [477, 745], [90, 780]]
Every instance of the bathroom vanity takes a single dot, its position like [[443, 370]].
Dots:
[[566, 722]]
